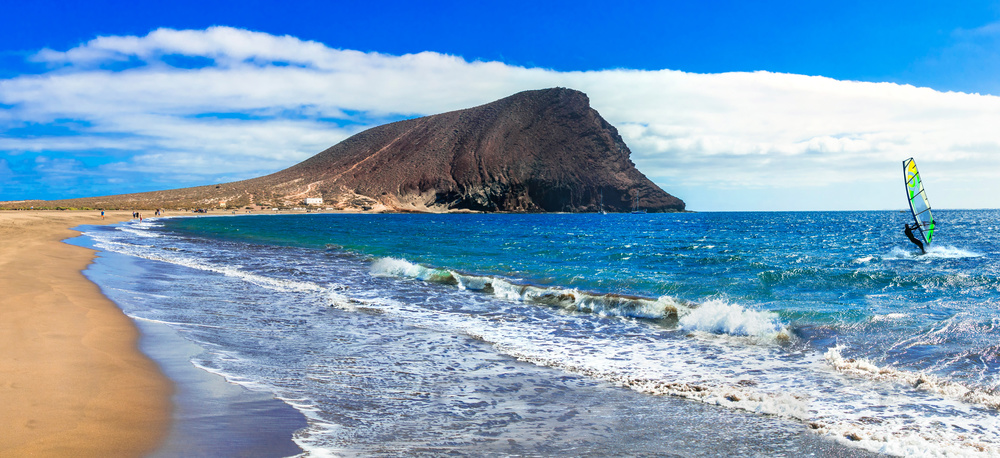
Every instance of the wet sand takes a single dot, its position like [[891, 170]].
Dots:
[[72, 379], [213, 417]]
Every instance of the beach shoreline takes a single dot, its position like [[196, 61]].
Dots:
[[74, 379], [211, 415]]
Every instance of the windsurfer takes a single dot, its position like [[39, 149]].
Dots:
[[909, 234]]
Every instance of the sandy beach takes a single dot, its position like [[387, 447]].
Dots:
[[72, 379]]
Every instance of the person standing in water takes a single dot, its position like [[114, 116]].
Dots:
[[909, 234]]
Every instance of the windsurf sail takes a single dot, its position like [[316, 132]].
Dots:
[[919, 205]]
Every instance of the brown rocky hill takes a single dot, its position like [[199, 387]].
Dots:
[[535, 151]]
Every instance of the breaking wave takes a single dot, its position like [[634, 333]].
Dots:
[[566, 298], [720, 317], [714, 316]]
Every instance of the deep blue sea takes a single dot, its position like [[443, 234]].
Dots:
[[696, 334]]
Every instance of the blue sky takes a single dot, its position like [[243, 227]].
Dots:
[[729, 105]]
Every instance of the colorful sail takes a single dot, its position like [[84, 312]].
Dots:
[[919, 204]]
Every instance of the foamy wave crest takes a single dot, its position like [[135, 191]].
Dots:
[[600, 304], [279, 284], [395, 267], [717, 316], [565, 298], [140, 229], [924, 382]]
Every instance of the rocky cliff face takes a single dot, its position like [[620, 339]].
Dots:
[[535, 151], [544, 150]]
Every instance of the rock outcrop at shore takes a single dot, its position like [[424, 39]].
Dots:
[[535, 151]]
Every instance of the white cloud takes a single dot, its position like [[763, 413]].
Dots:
[[260, 102]]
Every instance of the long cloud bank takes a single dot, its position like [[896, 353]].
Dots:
[[187, 107]]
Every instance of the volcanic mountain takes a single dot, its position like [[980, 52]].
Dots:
[[535, 151]]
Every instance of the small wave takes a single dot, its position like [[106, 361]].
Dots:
[[175, 257], [173, 323], [250, 384], [924, 382], [139, 230], [395, 267], [600, 304], [277, 284], [566, 298], [713, 316], [717, 316]]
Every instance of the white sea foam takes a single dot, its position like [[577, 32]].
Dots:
[[173, 323], [717, 316], [860, 367], [672, 367], [889, 317], [711, 392], [252, 385], [949, 252], [172, 257], [899, 439], [139, 229], [636, 367], [933, 252]]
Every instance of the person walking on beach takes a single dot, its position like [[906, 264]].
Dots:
[[102, 214], [909, 234]]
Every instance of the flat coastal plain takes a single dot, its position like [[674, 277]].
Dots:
[[72, 379]]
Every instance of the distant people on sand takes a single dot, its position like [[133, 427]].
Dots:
[[909, 234], [102, 214]]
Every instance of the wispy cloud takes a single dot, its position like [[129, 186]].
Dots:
[[224, 103]]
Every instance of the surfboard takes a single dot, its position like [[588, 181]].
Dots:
[[920, 207]]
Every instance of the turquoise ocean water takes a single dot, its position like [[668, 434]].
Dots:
[[576, 333]]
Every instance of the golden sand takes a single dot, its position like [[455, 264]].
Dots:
[[72, 379]]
